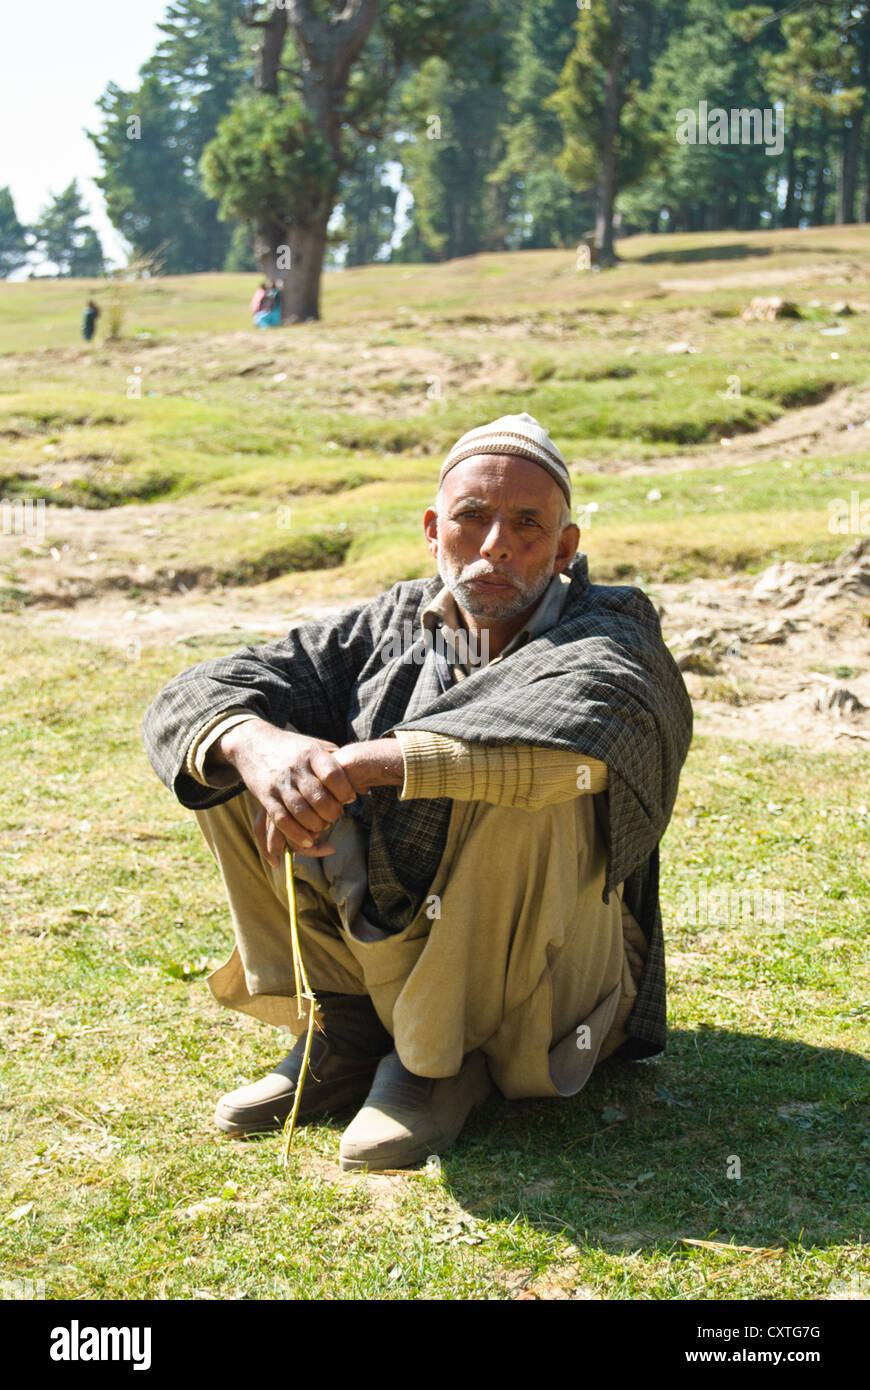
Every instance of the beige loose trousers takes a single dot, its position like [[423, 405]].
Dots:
[[513, 951]]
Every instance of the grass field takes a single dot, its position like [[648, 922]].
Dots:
[[293, 467]]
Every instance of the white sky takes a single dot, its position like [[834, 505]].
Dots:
[[56, 60]]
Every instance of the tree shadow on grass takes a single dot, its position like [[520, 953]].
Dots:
[[759, 1140], [732, 251]]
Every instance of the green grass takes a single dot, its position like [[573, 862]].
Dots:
[[115, 1054], [347, 420]]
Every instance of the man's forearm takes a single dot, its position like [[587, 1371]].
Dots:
[[527, 777], [375, 763]]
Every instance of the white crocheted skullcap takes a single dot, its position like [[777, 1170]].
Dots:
[[511, 434]]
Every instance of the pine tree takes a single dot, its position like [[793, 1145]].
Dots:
[[368, 206], [13, 237], [545, 209], [607, 143], [74, 249], [705, 186], [821, 72], [152, 137], [454, 109]]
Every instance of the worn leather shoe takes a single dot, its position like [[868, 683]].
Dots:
[[406, 1117], [331, 1083]]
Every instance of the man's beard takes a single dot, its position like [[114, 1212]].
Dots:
[[496, 606]]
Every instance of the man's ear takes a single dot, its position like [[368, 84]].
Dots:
[[430, 527], [567, 547]]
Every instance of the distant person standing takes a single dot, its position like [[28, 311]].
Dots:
[[257, 298], [89, 320]]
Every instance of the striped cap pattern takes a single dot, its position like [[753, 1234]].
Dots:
[[520, 435]]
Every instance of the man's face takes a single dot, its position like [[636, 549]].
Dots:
[[497, 534]]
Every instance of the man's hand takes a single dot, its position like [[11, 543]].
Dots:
[[298, 781]]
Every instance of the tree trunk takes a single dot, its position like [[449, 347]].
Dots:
[[852, 137], [274, 28], [789, 212], [294, 260], [847, 180], [819, 196], [605, 196], [819, 192], [496, 208], [864, 193], [293, 256], [457, 240], [606, 188]]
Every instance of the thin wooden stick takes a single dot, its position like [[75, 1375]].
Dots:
[[303, 991], [298, 968]]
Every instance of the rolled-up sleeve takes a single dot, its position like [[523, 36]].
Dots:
[[522, 775], [196, 763]]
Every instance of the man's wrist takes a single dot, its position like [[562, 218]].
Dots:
[[226, 749], [375, 763]]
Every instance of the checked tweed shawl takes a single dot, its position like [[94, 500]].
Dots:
[[601, 683]]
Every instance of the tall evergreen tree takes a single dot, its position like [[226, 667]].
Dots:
[[821, 71], [205, 55], [152, 137], [74, 249], [545, 209], [13, 237], [454, 110], [368, 206], [706, 185], [598, 101]]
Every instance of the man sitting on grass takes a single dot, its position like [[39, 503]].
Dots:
[[473, 773]]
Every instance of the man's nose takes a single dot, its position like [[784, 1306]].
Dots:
[[495, 544]]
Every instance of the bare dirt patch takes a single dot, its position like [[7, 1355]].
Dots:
[[783, 657], [93, 555], [378, 374], [840, 424]]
